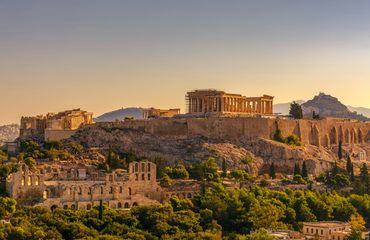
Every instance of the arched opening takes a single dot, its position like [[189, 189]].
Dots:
[[88, 206], [360, 136], [45, 194], [111, 190], [135, 204], [129, 191], [53, 208], [73, 206], [189, 195], [101, 190], [23, 180], [334, 136], [71, 191], [143, 167], [346, 136], [148, 166], [148, 176], [29, 181], [143, 176], [120, 189], [127, 205], [113, 205], [79, 191], [119, 205], [136, 167], [354, 136], [90, 191], [65, 207]]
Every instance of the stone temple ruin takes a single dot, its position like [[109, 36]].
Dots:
[[213, 102], [80, 186]]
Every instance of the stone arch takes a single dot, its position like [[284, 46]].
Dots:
[[346, 136], [334, 136], [65, 206], [119, 205], [73, 206], [127, 205], [135, 204], [113, 205], [53, 208], [189, 195], [88, 206]]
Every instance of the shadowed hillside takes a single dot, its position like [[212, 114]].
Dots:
[[120, 114]]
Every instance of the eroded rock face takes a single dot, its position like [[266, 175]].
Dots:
[[192, 149]]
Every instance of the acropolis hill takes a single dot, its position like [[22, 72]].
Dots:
[[232, 127]]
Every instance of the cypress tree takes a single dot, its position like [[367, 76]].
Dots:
[[101, 210], [297, 170], [348, 165], [352, 175], [224, 168], [340, 151], [304, 170], [272, 171]]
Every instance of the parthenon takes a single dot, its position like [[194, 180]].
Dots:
[[200, 102]]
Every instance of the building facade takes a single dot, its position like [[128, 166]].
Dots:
[[80, 186], [213, 102]]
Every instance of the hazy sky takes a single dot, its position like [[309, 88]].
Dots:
[[104, 55]]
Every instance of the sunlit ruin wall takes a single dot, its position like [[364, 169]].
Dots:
[[323, 132]]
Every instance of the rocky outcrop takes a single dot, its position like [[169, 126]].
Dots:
[[8, 133], [254, 154]]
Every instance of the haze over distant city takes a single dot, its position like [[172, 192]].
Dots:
[[104, 55]]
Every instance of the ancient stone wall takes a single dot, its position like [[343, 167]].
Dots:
[[324, 132], [57, 135]]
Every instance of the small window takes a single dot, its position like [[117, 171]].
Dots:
[[143, 167], [89, 192], [88, 207], [80, 191], [120, 189], [111, 190], [143, 176], [119, 205], [137, 177], [45, 194], [148, 167], [129, 191], [148, 176], [136, 167], [101, 190], [322, 232], [23, 180]]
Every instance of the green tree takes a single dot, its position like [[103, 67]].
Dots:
[[272, 171], [354, 235], [30, 162], [348, 165], [261, 234], [205, 170], [296, 110], [165, 181], [7, 206]]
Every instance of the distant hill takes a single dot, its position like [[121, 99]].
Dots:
[[8, 133], [120, 114], [283, 108], [329, 106]]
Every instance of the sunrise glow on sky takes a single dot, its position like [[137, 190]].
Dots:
[[104, 55]]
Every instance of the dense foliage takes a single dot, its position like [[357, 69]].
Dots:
[[215, 214]]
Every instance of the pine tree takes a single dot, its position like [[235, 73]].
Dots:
[[297, 170], [304, 170], [364, 173], [334, 170], [224, 168], [296, 111], [352, 175], [340, 151], [272, 171]]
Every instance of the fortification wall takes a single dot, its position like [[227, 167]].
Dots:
[[322, 132]]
